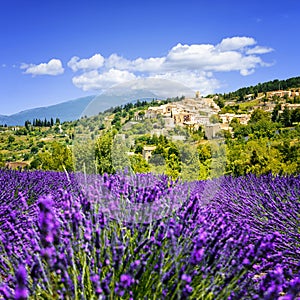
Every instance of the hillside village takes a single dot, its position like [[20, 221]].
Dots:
[[200, 111], [189, 112]]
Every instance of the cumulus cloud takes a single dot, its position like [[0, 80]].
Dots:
[[152, 64], [193, 79], [53, 67], [236, 43], [193, 65], [93, 63], [259, 50], [93, 80]]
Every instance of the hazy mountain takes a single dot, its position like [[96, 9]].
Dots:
[[66, 111], [142, 89], [139, 89], [71, 110]]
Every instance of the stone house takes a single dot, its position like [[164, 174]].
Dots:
[[147, 152]]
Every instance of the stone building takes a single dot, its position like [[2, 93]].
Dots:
[[212, 130], [147, 152]]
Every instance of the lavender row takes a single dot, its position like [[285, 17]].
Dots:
[[68, 236]]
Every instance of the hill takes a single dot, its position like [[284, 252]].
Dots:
[[66, 111], [276, 84]]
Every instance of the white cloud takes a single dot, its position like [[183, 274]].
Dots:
[[189, 57], [93, 80], [93, 63], [118, 62], [193, 79], [151, 64], [236, 43], [259, 50], [246, 72], [53, 67], [192, 65]]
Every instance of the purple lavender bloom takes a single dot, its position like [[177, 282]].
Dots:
[[48, 225], [21, 292], [186, 278], [126, 281], [197, 256], [4, 291]]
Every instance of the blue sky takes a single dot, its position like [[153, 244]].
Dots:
[[53, 51]]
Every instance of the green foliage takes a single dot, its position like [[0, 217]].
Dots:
[[260, 156], [259, 115], [58, 157], [139, 164], [11, 139], [119, 154], [2, 162], [275, 113], [173, 166], [235, 122], [264, 87], [21, 131], [230, 109], [34, 150], [103, 156], [219, 101], [84, 156]]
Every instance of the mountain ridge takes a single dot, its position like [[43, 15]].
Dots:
[[65, 111]]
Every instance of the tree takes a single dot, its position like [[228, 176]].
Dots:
[[120, 158], [11, 139], [57, 158], [286, 117], [235, 122], [141, 114], [190, 165], [34, 150], [103, 153], [219, 101], [295, 115], [173, 166], [131, 114], [1, 160], [138, 149], [254, 159], [84, 156], [204, 153], [139, 164], [275, 113], [27, 125], [36, 163], [259, 114], [173, 150]]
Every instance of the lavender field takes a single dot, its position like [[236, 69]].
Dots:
[[121, 236]]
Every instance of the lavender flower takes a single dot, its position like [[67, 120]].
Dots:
[[21, 292]]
